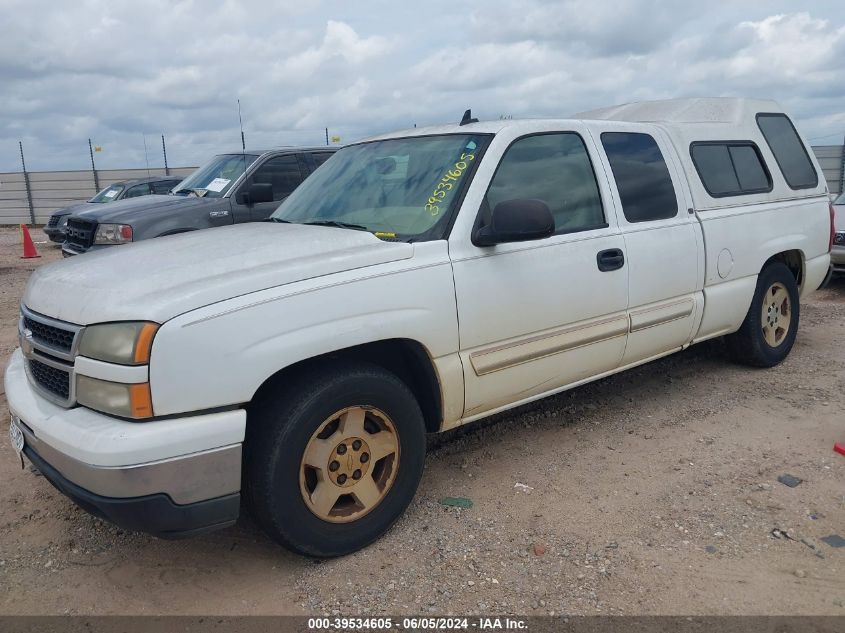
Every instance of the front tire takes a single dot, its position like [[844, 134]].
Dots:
[[332, 463], [768, 331]]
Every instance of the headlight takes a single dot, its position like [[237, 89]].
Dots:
[[113, 234], [63, 220], [127, 401], [126, 343]]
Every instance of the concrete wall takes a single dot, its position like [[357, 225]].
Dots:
[[53, 190]]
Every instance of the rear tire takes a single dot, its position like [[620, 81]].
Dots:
[[295, 470], [768, 331]]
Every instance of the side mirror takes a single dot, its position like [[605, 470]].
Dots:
[[257, 192], [516, 221]]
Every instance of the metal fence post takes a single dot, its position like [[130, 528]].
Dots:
[[842, 168], [93, 168], [26, 184]]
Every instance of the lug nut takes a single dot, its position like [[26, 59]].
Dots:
[[341, 449], [365, 457], [356, 445], [356, 475], [341, 479], [334, 466]]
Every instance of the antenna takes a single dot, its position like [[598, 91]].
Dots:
[[241, 121], [146, 158], [467, 118]]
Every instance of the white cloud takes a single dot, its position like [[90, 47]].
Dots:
[[111, 71]]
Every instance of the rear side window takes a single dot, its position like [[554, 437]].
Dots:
[[321, 157], [789, 151], [730, 168], [641, 175], [556, 169]]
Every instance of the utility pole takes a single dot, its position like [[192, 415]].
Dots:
[[26, 184], [94, 168], [327, 136], [164, 151]]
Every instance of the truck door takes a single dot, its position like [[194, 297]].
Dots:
[[283, 173], [662, 238], [537, 316]]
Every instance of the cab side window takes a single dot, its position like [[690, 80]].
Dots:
[[138, 190], [556, 169], [641, 175], [282, 172]]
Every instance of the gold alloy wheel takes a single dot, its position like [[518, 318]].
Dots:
[[349, 464], [776, 314]]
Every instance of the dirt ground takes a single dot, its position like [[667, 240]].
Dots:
[[652, 492]]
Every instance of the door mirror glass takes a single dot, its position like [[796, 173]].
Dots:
[[257, 192], [516, 221]]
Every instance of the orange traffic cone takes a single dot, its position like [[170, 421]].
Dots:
[[28, 246], [839, 448]]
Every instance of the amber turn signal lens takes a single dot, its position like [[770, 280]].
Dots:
[[140, 401], [145, 343]]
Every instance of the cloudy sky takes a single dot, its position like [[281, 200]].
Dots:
[[115, 71]]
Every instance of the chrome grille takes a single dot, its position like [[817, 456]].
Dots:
[[80, 232], [839, 239], [49, 335], [53, 379], [53, 221], [49, 347]]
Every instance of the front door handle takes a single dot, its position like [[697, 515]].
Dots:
[[611, 259]]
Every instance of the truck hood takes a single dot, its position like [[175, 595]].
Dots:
[[74, 208], [158, 279], [125, 211]]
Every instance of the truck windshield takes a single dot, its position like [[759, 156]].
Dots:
[[108, 194], [402, 188], [840, 199], [216, 177]]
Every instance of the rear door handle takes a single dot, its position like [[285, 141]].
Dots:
[[611, 259]]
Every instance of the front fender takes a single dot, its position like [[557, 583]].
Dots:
[[219, 355]]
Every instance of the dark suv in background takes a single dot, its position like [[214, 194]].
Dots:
[[229, 189], [55, 227]]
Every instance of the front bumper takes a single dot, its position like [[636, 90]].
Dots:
[[55, 233], [69, 250], [171, 478]]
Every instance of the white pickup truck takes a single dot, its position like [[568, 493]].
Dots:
[[417, 281]]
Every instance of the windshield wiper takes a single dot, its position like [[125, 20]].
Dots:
[[277, 220], [335, 223], [198, 191]]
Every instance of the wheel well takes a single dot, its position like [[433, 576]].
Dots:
[[406, 358], [794, 260]]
